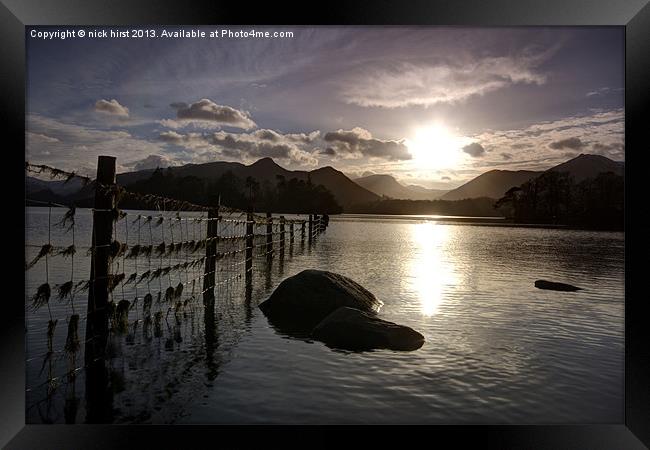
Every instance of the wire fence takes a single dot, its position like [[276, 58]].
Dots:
[[163, 271]]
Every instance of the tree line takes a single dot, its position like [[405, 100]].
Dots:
[[556, 198], [292, 196]]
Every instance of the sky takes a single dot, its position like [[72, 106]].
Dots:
[[432, 106]]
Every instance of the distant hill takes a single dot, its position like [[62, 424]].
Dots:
[[495, 183], [57, 187], [586, 166], [386, 185], [492, 184], [346, 191]]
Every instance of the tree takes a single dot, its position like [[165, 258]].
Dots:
[[554, 197]]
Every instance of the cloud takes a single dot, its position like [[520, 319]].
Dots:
[[191, 141], [603, 91], [274, 136], [41, 138], [446, 178], [606, 147], [111, 107], [151, 162], [207, 114], [599, 131], [75, 147], [474, 149], [329, 151], [358, 142], [506, 156], [239, 146], [445, 81], [572, 143], [614, 150]]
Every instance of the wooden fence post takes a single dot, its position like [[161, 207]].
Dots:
[[291, 231], [101, 242], [98, 391], [311, 228], [269, 235], [249, 245], [210, 269], [282, 236], [302, 231]]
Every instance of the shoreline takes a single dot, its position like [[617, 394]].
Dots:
[[460, 220]]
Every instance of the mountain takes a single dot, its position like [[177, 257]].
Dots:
[[345, 191], [492, 184], [57, 187], [588, 166], [495, 183], [386, 185]]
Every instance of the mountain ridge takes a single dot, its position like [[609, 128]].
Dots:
[[387, 186], [494, 183], [348, 192]]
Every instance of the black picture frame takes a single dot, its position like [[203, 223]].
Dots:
[[633, 15]]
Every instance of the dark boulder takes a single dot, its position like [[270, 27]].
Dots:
[[553, 286], [300, 302], [352, 329]]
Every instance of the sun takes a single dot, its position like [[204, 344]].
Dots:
[[436, 147]]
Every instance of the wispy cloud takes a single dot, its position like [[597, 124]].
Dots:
[[537, 145], [402, 84], [603, 91], [76, 147]]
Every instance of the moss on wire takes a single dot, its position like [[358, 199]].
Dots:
[[56, 173], [72, 339], [178, 292], [144, 276], [69, 216], [68, 251], [46, 249], [120, 318], [169, 294], [131, 278], [146, 305], [114, 280], [42, 296], [64, 290], [117, 249]]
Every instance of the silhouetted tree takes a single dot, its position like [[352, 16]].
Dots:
[[554, 197]]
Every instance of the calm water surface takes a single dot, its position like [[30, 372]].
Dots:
[[497, 349]]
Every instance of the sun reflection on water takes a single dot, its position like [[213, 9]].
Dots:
[[430, 271]]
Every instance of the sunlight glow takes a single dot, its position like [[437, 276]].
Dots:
[[436, 147], [430, 271]]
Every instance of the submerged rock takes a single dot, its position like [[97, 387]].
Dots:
[[300, 302], [352, 329], [553, 286]]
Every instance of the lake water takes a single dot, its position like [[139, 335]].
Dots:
[[497, 349]]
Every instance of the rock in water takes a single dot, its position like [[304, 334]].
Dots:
[[352, 329], [553, 286], [300, 302]]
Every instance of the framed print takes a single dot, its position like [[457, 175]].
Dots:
[[246, 223]]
